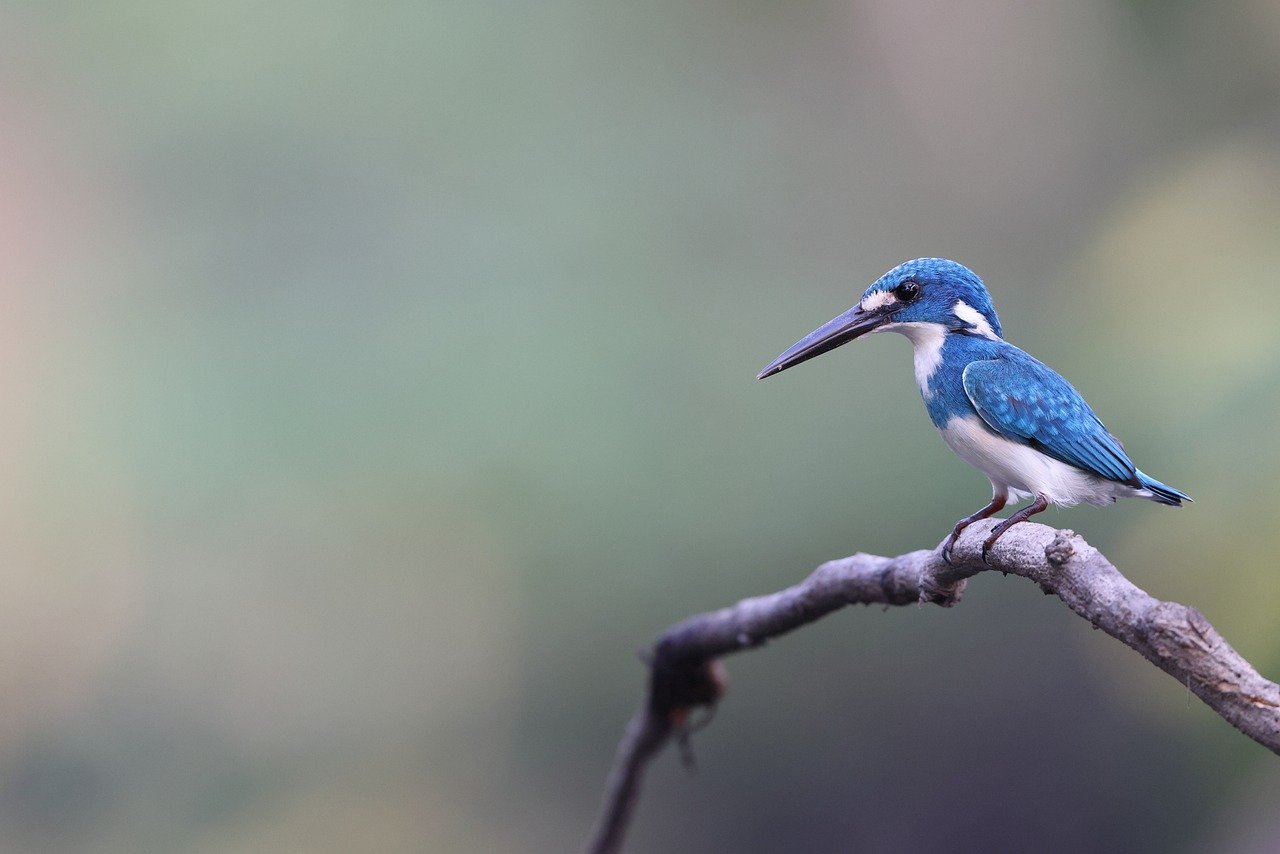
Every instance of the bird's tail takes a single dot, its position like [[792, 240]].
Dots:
[[1161, 493]]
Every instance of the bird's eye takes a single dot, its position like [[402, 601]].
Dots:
[[907, 291]]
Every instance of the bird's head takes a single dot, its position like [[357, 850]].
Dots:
[[924, 291]]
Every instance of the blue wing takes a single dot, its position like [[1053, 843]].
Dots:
[[1026, 401]]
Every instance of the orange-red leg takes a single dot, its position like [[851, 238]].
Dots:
[[998, 499], [1037, 506]]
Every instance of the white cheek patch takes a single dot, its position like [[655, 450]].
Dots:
[[974, 318], [878, 300]]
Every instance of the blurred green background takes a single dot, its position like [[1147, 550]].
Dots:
[[378, 378]]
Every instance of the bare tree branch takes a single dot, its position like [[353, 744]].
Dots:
[[685, 671]]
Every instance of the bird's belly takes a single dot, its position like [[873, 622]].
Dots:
[[1024, 470]]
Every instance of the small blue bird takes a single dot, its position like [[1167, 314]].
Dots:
[[1005, 413]]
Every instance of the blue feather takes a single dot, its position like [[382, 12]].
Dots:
[[1024, 399]]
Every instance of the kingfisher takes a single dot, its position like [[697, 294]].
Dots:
[[999, 409]]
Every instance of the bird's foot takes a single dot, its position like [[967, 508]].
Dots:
[[948, 546], [1021, 516], [997, 504], [989, 543], [996, 533]]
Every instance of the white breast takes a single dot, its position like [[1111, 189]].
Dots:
[[1024, 471]]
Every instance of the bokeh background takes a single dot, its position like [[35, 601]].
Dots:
[[377, 379]]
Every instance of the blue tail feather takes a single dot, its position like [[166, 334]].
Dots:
[[1161, 493]]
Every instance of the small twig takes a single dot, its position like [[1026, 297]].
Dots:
[[686, 674]]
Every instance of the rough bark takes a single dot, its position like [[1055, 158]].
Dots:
[[685, 670]]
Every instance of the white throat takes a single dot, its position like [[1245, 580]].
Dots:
[[927, 338]]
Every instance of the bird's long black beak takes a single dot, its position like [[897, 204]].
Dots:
[[839, 330]]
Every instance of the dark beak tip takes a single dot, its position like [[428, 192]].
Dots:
[[839, 330]]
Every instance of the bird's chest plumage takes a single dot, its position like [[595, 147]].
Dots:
[[937, 377], [940, 364]]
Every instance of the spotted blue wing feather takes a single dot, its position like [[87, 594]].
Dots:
[[1027, 401]]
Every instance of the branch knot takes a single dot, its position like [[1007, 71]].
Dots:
[[1061, 549]]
